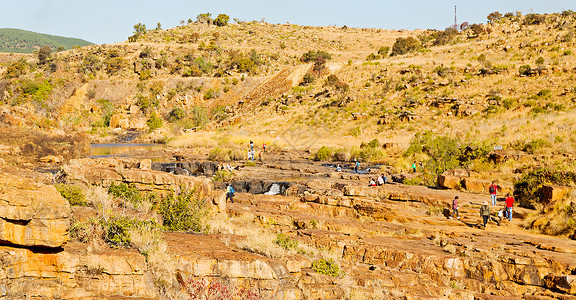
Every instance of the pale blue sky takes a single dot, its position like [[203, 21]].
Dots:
[[109, 21]]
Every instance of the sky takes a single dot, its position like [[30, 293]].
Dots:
[[111, 21]]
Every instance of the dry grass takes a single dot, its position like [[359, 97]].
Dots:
[[559, 220], [99, 198]]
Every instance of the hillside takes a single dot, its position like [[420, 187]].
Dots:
[[22, 41]]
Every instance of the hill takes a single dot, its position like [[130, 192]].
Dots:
[[22, 41]]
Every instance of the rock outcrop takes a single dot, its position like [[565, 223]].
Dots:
[[32, 214], [105, 171]]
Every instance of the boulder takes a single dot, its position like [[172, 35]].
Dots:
[[449, 181], [32, 214], [475, 185], [563, 283]]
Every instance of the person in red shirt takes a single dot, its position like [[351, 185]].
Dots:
[[455, 208], [509, 205]]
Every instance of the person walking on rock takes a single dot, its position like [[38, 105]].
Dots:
[[414, 168], [509, 205], [251, 145], [356, 166], [230, 193], [485, 213], [455, 208], [493, 189]]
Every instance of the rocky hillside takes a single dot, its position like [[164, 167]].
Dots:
[[439, 113]]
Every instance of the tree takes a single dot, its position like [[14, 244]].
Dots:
[[44, 55], [205, 18], [494, 16], [222, 20], [139, 29], [158, 26]]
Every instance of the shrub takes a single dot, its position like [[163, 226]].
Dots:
[[524, 69], [183, 211], [534, 146], [199, 116], [44, 55], [477, 29], [534, 19], [16, 68], [443, 152], [117, 230], [383, 51], [223, 176], [308, 79], [154, 122], [327, 267], [494, 16], [404, 45], [72, 193], [202, 288], [324, 153], [314, 55], [146, 103], [114, 65], [126, 192], [284, 242], [176, 114], [333, 80], [221, 20]]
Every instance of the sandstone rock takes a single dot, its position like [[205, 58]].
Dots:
[[449, 181], [74, 272], [32, 214], [563, 283], [553, 193], [478, 186]]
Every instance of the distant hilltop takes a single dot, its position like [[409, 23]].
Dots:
[[22, 41]]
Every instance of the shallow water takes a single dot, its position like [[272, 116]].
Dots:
[[103, 150]]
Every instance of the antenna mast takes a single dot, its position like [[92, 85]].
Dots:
[[455, 21]]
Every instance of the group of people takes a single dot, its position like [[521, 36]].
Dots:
[[505, 212], [252, 152], [380, 180]]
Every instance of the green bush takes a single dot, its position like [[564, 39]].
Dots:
[[327, 267], [72, 193], [535, 146], [534, 19], [221, 20], [117, 230], [183, 211], [383, 51], [324, 153], [443, 152], [314, 55], [404, 45], [176, 114], [154, 122], [285, 242], [223, 176], [16, 68], [126, 192], [524, 69]]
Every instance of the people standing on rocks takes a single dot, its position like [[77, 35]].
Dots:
[[264, 147], [230, 193], [372, 182], [260, 156], [485, 213], [338, 168], [414, 168], [455, 208], [251, 145], [356, 166], [509, 205], [493, 190]]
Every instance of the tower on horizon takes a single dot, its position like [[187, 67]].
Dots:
[[455, 20]]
